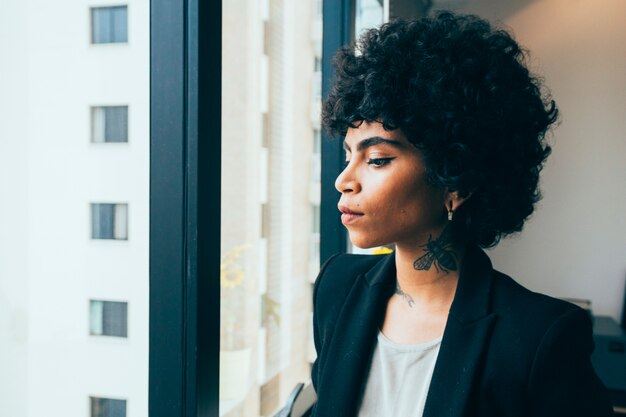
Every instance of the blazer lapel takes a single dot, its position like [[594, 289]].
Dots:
[[354, 339], [466, 334]]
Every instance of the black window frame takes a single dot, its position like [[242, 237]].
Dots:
[[185, 178], [338, 30]]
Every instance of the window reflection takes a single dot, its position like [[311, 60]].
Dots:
[[270, 200]]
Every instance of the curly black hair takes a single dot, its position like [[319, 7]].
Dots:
[[460, 91]]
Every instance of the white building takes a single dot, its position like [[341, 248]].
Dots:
[[69, 86]]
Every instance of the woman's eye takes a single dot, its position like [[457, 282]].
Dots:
[[345, 163], [379, 162]]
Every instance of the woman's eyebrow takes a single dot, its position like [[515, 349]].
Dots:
[[375, 140]]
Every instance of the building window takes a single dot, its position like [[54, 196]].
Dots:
[[109, 221], [109, 24], [109, 124], [108, 318], [107, 407], [317, 141]]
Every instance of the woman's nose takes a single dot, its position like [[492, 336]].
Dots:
[[347, 182]]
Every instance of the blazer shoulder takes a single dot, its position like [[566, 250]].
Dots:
[[512, 300], [542, 346]]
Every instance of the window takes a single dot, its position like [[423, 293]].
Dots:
[[109, 124], [369, 14], [107, 407], [109, 24], [267, 214], [317, 141], [109, 221], [108, 318], [316, 159]]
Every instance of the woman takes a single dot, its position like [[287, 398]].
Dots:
[[444, 136]]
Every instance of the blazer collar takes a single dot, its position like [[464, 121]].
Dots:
[[472, 297], [383, 272], [468, 329]]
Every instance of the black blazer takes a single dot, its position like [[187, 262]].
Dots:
[[506, 351]]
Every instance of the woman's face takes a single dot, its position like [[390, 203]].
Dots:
[[384, 183]]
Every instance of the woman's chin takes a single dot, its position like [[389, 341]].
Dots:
[[363, 242]]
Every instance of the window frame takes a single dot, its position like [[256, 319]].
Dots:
[[185, 126], [185, 175], [338, 30]]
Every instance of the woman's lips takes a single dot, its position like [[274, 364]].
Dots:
[[348, 216]]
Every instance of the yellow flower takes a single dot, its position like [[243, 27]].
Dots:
[[231, 274]]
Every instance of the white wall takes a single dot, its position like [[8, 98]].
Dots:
[[13, 211], [575, 243]]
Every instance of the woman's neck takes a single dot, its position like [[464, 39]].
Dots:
[[428, 272]]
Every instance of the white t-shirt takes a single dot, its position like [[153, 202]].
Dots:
[[399, 378]]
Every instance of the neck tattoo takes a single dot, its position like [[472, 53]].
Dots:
[[404, 295], [438, 252]]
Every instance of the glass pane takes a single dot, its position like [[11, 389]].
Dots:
[[109, 318], [109, 124], [101, 25], [369, 14], [98, 124], [109, 24], [62, 286], [102, 221], [109, 221], [107, 407], [116, 125], [96, 317], [114, 319], [270, 200], [119, 24], [120, 225]]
